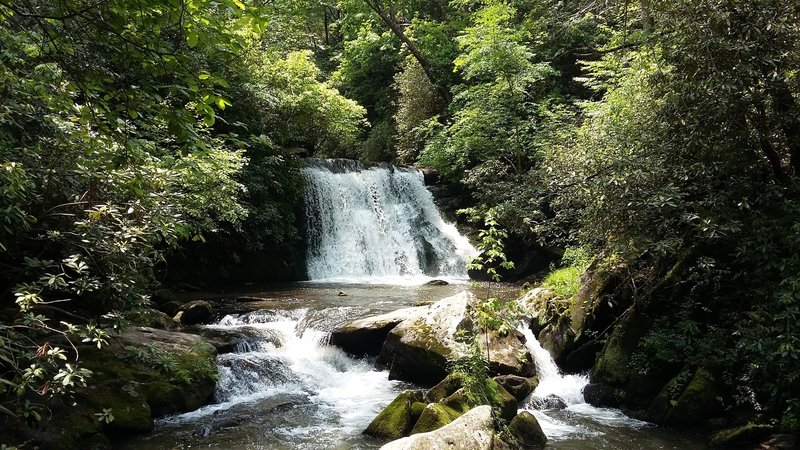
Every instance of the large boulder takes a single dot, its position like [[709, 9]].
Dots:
[[194, 313], [419, 348], [519, 387], [398, 418], [524, 433], [472, 431], [366, 336], [750, 433]]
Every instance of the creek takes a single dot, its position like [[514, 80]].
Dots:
[[374, 237]]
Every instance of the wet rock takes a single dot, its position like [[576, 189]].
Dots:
[[749, 433], [366, 336], [524, 433], [418, 349], [547, 403], [472, 431], [781, 442], [600, 394], [341, 294], [437, 283], [435, 416], [519, 387], [194, 313], [170, 308], [397, 419]]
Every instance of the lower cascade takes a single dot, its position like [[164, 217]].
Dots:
[[305, 392], [377, 222]]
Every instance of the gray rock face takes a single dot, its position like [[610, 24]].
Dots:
[[418, 348], [366, 336], [472, 431]]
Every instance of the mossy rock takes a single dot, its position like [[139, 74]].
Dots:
[[397, 419], [505, 403], [458, 401], [435, 416], [164, 398], [740, 435], [444, 389], [698, 402], [524, 433], [127, 403], [78, 431]]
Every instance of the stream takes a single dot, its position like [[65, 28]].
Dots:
[[284, 388], [374, 237]]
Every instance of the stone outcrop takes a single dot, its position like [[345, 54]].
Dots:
[[366, 336], [418, 348]]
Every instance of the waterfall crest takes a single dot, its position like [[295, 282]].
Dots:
[[377, 222]]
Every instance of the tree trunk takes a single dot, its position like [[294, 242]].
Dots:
[[377, 6]]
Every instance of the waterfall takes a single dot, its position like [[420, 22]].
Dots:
[[377, 222], [282, 360], [567, 388]]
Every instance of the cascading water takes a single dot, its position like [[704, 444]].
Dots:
[[377, 224], [304, 390], [567, 388], [559, 405]]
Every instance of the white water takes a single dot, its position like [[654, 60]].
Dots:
[[282, 361], [558, 422], [377, 225]]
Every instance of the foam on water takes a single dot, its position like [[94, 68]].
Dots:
[[377, 225]]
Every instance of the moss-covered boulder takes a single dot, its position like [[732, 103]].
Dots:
[[444, 388], [750, 433], [689, 399], [472, 431], [398, 418], [127, 404], [435, 416], [698, 402], [458, 401], [524, 433], [505, 403]]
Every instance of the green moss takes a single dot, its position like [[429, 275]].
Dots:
[[698, 401], [434, 416], [444, 389], [127, 403], [395, 421], [457, 401], [564, 282], [74, 429]]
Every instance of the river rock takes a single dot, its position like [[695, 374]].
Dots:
[[750, 433], [524, 433], [398, 418], [194, 313], [418, 349], [519, 387], [437, 283], [472, 431], [366, 336], [435, 416], [549, 402]]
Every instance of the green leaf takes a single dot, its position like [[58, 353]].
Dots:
[[191, 38]]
